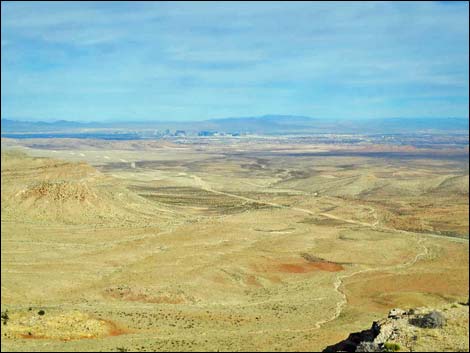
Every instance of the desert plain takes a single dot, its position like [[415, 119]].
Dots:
[[221, 244]]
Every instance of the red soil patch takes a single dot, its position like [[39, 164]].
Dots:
[[115, 330], [25, 336], [219, 279], [252, 281], [274, 279], [299, 267], [291, 268]]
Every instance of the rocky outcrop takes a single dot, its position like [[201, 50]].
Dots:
[[373, 339], [397, 332]]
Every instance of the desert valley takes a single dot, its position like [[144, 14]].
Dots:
[[222, 243], [234, 176]]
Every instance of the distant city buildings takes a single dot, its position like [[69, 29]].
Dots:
[[217, 133], [183, 133], [206, 133]]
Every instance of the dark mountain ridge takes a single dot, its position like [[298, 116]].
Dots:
[[267, 124]]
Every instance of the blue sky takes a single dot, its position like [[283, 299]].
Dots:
[[97, 61]]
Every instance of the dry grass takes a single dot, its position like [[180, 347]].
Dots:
[[213, 249]]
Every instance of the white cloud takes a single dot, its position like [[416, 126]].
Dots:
[[274, 55]]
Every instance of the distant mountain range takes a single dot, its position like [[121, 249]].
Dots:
[[267, 124]]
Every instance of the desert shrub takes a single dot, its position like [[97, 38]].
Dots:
[[391, 347], [434, 319], [5, 317], [122, 349], [41, 312]]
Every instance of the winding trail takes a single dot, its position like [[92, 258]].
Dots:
[[205, 186], [338, 284]]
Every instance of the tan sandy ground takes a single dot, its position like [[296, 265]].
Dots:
[[217, 251]]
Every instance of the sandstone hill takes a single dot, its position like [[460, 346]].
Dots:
[[44, 190]]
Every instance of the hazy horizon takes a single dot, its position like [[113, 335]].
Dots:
[[176, 61], [129, 120]]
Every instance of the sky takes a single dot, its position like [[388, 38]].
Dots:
[[103, 61]]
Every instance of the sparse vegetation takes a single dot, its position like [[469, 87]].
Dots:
[[391, 347], [188, 228]]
